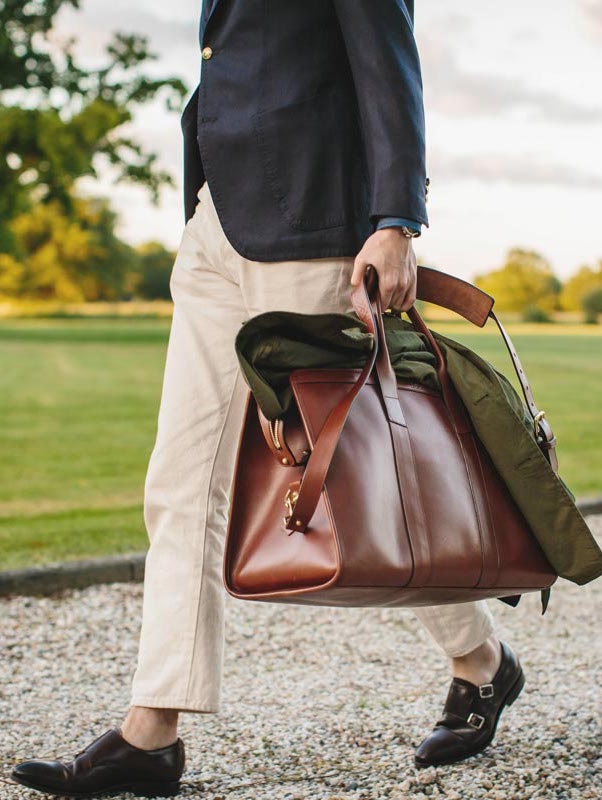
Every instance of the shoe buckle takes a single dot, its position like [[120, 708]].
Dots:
[[486, 690], [476, 720]]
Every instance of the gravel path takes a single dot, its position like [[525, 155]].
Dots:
[[318, 703]]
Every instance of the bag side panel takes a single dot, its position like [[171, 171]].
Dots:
[[260, 555], [522, 561]]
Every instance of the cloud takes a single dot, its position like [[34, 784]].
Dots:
[[525, 169], [95, 25], [452, 90]]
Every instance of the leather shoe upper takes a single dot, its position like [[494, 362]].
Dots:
[[109, 761], [471, 713]]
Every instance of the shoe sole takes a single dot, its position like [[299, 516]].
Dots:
[[511, 695], [138, 789]]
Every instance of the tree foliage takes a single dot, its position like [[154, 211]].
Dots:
[[592, 304], [67, 258], [24, 52], [60, 122], [155, 264], [585, 280], [526, 280]]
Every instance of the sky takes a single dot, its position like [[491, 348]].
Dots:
[[513, 105]]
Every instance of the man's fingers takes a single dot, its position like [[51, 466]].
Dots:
[[404, 303], [398, 295], [406, 297], [388, 285], [385, 299], [359, 268], [396, 281]]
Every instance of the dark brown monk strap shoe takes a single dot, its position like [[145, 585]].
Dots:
[[107, 766], [470, 714]]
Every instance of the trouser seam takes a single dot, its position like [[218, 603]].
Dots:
[[207, 502]]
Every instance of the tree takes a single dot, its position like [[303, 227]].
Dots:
[[60, 122], [525, 280], [25, 63], [583, 281], [155, 264], [70, 258], [592, 305]]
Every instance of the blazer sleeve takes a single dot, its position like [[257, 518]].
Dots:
[[383, 56]]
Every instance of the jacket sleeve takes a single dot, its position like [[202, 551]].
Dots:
[[383, 56]]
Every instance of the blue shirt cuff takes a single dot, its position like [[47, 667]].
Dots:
[[388, 222]]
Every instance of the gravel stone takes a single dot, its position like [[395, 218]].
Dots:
[[318, 703]]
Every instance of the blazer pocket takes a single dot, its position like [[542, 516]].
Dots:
[[307, 150]]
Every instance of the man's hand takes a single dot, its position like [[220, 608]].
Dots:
[[392, 256]]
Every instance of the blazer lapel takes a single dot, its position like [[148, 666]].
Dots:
[[207, 10]]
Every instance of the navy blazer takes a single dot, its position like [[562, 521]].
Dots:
[[308, 123]]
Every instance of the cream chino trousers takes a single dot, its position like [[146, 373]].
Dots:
[[215, 290]]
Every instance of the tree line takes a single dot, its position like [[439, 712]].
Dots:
[[60, 122], [527, 284]]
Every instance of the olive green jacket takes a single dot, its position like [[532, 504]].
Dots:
[[271, 345]]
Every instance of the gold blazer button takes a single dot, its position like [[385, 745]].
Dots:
[[207, 52]]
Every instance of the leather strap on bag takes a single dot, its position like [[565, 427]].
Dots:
[[307, 492], [543, 431], [409, 489], [448, 292], [476, 306]]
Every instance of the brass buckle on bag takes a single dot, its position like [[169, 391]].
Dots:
[[290, 498], [536, 420]]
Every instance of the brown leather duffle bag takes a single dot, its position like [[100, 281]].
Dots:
[[373, 491]]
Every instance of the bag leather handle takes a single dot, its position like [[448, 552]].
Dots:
[[455, 294], [476, 306], [543, 430], [307, 491], [367, 305], [454, 405], [304, 495], [471, 303]]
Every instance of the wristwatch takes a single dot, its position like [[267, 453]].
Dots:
[[409, 233]]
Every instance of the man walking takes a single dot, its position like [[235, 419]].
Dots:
[[304, 163]]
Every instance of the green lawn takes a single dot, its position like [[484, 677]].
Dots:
[[78, 407], [564, 367]]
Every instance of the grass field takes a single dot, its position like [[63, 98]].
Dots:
[[78, 408]]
